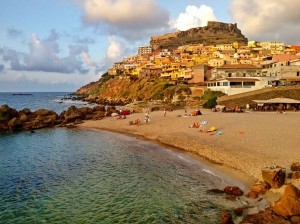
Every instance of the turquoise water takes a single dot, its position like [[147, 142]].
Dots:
[[37, 100], [77, 176]]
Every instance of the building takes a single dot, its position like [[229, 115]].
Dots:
[[283, 73], [232, 86], [235, 70], [144, 50], [150, 71]]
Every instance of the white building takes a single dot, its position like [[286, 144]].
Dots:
[[232, 86]]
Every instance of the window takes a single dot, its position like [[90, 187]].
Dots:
[[298, 73], [225, 83], [229, 74], [249, 83]]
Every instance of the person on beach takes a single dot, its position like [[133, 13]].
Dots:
[[147, 118], [165, 112]]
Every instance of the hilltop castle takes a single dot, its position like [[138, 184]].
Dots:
[[212, 34]]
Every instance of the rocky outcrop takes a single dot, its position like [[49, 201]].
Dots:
[[212, 34], [12, 120], [289, 204], [264, 217], [233, 190], [274, 176]]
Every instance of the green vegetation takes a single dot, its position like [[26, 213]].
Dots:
[[210, 98]]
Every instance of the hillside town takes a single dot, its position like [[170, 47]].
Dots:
[[232, 68]]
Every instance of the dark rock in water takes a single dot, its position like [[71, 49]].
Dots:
[[238, 211], [7, 113], [43, 112], [274, 176], [216, 191], [264, 217], [14, 124], [233, 190], [25, 120], [32, 131], [289, 204], [226, 218], [21, 94]]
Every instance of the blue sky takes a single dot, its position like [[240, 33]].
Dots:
[[60, 45]]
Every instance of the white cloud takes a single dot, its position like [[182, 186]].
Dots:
[[114, 50], [268, 20], [127, 18], [44, 56], [194, 17], [87, 59]]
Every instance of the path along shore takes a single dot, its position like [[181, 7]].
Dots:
[[247, 142]]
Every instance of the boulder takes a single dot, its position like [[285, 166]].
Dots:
[[99, 108], [7, 113], [264, 217], [85, 111], [25, 111], [233, 190], [216, 191], [23, 118], [72, 114], [14, 124], [260, 187], [295, 166], [50, 120], [43, 112], [252, 194], [98, 115], [226, 218], [294, 175], [3, 127], [274, 176], [295, 219], [289, 204]]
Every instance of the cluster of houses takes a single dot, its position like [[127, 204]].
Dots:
[[229, 68]]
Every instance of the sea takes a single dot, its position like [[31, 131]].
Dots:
[[60, 175]]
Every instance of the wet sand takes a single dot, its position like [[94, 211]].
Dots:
[[247, 141]]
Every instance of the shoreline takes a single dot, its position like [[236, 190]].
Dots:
[[249, 141], [234, 176]]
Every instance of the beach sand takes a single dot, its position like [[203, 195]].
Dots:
[[249, 141]]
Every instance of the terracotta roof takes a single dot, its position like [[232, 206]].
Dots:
[[237, 66]]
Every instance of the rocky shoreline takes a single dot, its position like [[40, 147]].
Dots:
[[12, 120]]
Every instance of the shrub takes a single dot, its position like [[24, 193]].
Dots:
[[211, 98]]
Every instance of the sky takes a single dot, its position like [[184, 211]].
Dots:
[[61, 45]]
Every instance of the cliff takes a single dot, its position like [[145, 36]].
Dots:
[[213, 33], [121, 90]]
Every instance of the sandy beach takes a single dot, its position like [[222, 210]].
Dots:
[[246, 142]]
